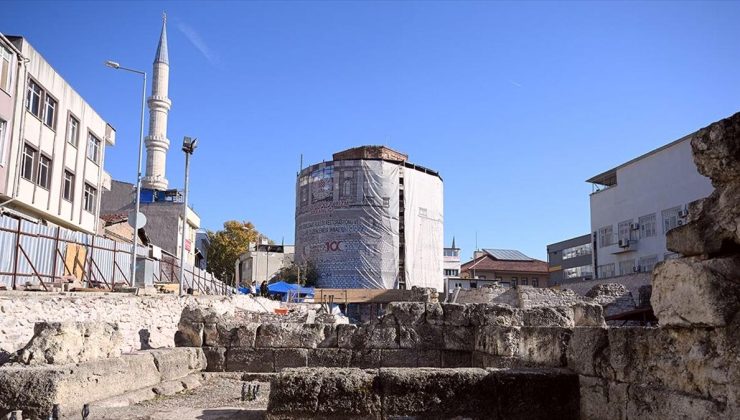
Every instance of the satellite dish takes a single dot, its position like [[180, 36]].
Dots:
[[141, 220]]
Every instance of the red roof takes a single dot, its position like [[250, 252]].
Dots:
[[488, 263]]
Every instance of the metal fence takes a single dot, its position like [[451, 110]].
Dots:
[[37, 256]]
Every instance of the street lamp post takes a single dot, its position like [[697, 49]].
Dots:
[[116, 66], [188, 146]]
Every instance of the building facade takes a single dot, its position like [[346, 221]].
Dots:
[[371, 219], [451, 261], [570, 260], [52, 143], [504, 266], [262, 262], [636, 203]]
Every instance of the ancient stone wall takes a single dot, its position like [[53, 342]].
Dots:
[[410, 334], [144, 321], [633, 282]]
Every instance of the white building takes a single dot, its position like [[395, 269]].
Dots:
[[262, 262], [636, 203], [451, 261], [52, 151], [370, 219]]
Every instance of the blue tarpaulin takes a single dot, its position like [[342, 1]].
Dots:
[[283, 288]]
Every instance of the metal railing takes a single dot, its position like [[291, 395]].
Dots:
[[33, 256]]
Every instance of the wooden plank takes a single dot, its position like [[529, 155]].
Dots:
[[363, 295]]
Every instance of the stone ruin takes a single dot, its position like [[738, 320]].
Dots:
[[528, 354]]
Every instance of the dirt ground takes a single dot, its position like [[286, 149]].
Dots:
[[219, 397]]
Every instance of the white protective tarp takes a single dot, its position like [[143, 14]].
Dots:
[[347, 223], [423, 224]]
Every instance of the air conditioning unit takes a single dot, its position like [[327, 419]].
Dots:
[[683, 213], [636, 269], [624, 243], [635, 226]]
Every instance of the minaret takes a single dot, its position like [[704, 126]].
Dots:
[[159, 106]]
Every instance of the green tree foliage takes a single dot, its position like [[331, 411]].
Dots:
[[226, 245], [289, 274]]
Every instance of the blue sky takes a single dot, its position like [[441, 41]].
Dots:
[[515, 104]]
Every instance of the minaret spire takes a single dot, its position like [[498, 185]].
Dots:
[[159, 107]]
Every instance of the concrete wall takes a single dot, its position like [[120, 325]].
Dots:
[[145, 321], [7, 109], [663, 180]]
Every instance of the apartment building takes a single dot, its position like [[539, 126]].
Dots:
[[636, 203], [52, 143], [451, 262], [262, 262], [570, 260]]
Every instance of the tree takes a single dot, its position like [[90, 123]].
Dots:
[[226, 245], [308, 274]]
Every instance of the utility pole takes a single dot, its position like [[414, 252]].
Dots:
[[188, 146]]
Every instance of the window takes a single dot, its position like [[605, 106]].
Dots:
[[6, 69], [50, 108], [89, 198], [44, 172], [625, 230], [626, 267], [535, 282], [73, 131], [29, 162], [605, 271], [514, 281], [524, 281], [93, 148], [68, 186], [473, 285], [451, 272], [33, 98], [584, 271], [3, 134], [670, 218], [606, 236], [348, 182], [647, 263], [451, 252], [647, 226], [576, 251]]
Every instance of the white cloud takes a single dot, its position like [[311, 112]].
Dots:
[[194, 37]]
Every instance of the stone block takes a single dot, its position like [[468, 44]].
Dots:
[[649, 402], [406, 313], [435, 314], [70, 342], [588, 351], [324, 393], [274, 335], [330, 339], [544, 346], [329, 357], [459, 338], [550, 393], [689, 291], [548, 316], [491, 314], [290, 358], [421, 336], [365, 359], [429, 358], [346, 336], [168, 388], [398, 358], [431, 393], [587, 314], [497, 340], [250, 360], [178, 362], [457, 359], [245, 335], [601, 399], [455, 314], [215, 359]]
